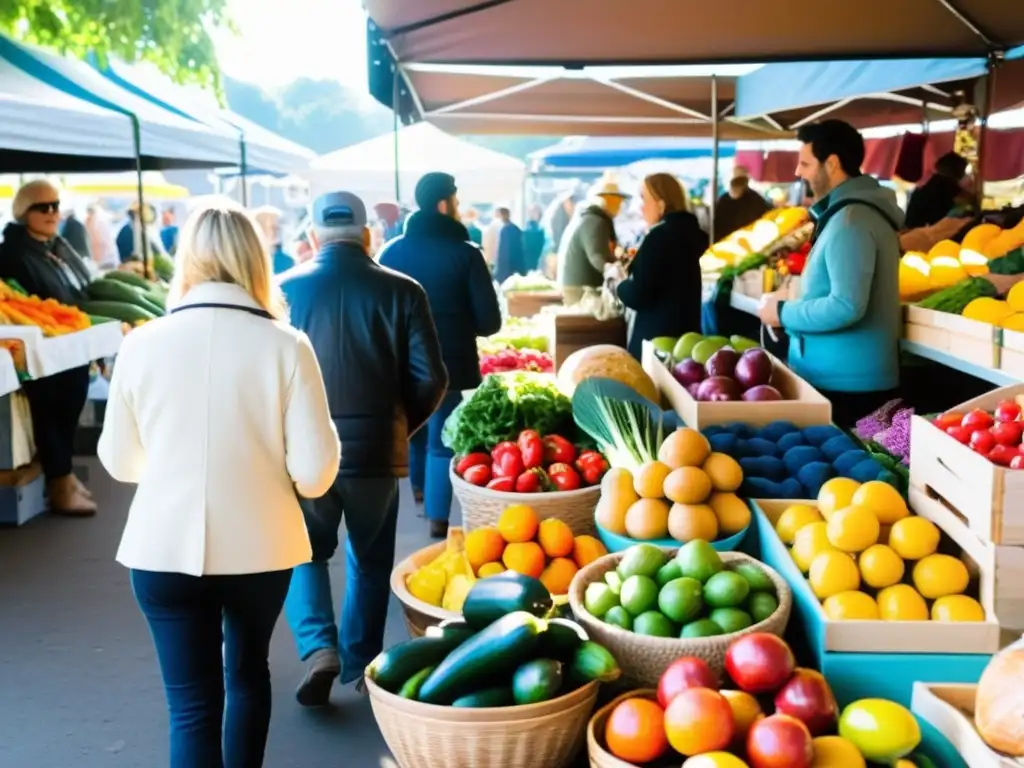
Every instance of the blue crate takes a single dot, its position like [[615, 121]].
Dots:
[[20, 503]]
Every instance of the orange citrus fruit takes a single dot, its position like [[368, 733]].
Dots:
[[745, 711], [484, 545], [587, 549], [555, 538], [518, 523], [490, 569], [558, 575], [699, 720], [635, 731], [525, 557]]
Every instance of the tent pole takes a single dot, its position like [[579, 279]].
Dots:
[[140, 214], [988, 86], [395, 106], [714, 157], [245, 170]]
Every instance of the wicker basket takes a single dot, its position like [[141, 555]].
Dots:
[[418, 615], [421, 735], [481, 507], [644, 658], [599, 756]]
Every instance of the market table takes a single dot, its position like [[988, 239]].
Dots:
[[46, 356]]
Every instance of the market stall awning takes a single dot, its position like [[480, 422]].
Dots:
[[155, 187], [167, 140], [598, 153], [588, 32]]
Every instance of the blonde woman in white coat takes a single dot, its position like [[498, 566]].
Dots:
[[218, 413]]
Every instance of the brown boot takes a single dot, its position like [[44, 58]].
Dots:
[[80, 486], [66, 499]]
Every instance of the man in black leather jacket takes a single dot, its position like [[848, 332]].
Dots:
[[378, 349]]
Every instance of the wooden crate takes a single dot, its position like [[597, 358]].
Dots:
[[988, 497], [572, 332], [969, 340], [806, 407], [530, 303], [1011, 355], [884, 637], [949, 708]]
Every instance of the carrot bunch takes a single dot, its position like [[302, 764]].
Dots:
[[54, 318]]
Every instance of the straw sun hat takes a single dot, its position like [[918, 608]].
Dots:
[[608, 187]]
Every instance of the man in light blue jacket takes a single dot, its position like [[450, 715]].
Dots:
[[845, 328]]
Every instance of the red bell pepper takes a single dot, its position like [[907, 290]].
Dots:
[[478, 474], [558, 450], [531, 447], [564, 477], [505, 484], [471, 460]]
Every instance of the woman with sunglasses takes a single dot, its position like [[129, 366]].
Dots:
[[42, 262]]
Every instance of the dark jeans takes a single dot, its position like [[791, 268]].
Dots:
[[56, 403], [212, 636], [429, 461], [848, 407], [369, 507]]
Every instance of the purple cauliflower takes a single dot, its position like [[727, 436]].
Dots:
[[877, 421], [896, 439]]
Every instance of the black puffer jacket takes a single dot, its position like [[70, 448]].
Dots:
[[377, 346], [50, 270]]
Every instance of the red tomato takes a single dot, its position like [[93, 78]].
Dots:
[[502, 448], [531, 448], [1007, 432], [1017, 462], [960, 434], [471, 460], [510, 464], [529, 482], [1003, 455], [982, 441], [1007, 411], [480, 474], [978, 419], [505, 484], [558, 450], [564, 477], [949, 419]]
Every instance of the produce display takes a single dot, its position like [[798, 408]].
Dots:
[[516, 333], [125, 296], [534, 281], [608, 362], [999, 702], [693, 594], [716, 369], [868, 557], [446, 580], [761, 237], [996, 435], [533, 463], [17, 307], [503, 652], [513, 359], [889, 429], [769, 713], [686, 493]]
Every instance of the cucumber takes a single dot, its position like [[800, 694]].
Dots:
[[157, 299], [496, 596], [500, 696], [593, 661], [99, 320], [393, 667], [537, 681], [129, 278], [119, 310], [490, 654], [561, 639], [113, 290], [411, 688]]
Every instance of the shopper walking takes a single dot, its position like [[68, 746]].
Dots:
[[511, 258], [534, 240], [42, 262], [844, 330], [218, 413], [435, 252], [375, 338]]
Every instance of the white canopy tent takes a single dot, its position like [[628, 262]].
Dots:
[[482, 175]]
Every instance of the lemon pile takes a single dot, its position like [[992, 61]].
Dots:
[[867, 557]]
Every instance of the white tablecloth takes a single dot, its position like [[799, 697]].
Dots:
[[9, 381], [46, 356]]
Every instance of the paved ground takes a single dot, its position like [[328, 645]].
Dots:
[[79, 684]]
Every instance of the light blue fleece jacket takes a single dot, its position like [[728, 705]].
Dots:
[[845, 328]]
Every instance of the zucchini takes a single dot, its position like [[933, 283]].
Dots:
[[499, 696], [113, 290], [129, 278], [119, 310], [99, 320], [561, 639], [536, 681], [411, 688], [593, 661], [496, 596], [488, 655], [394, 666]]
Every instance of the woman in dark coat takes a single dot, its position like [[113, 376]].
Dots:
[[663, 286], [42, 262]]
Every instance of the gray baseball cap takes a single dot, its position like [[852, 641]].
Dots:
[[339, 209]]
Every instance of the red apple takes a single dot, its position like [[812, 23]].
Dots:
[[960, 434], [759, 663], [949, 419], [1002, 455], [982, 441], [978, 419], [808, 697], [1007, 432], [1007, 411], [1017, 462], [683, 673], [779, 741]]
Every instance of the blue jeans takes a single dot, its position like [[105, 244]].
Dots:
[[212, 636], [429, 461], [369, 506]]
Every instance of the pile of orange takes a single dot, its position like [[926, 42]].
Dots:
[[522, 542]]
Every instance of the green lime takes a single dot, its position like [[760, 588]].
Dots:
[[668, 572], [653, 624], [731, 619], [756, 577], [613, 580], [726, 590], [699, 560], [700, 628], [642, 559], [681, 600], [639, 594], [761, 605], [599, 599], [620, 617]]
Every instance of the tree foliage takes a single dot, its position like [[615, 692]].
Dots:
[[172, 34]]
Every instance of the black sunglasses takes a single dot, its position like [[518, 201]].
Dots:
[[53, 207]]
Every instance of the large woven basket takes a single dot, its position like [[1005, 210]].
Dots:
[[600, 757], [481, 507], [545, 735], [418, 615], [644, 658]]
